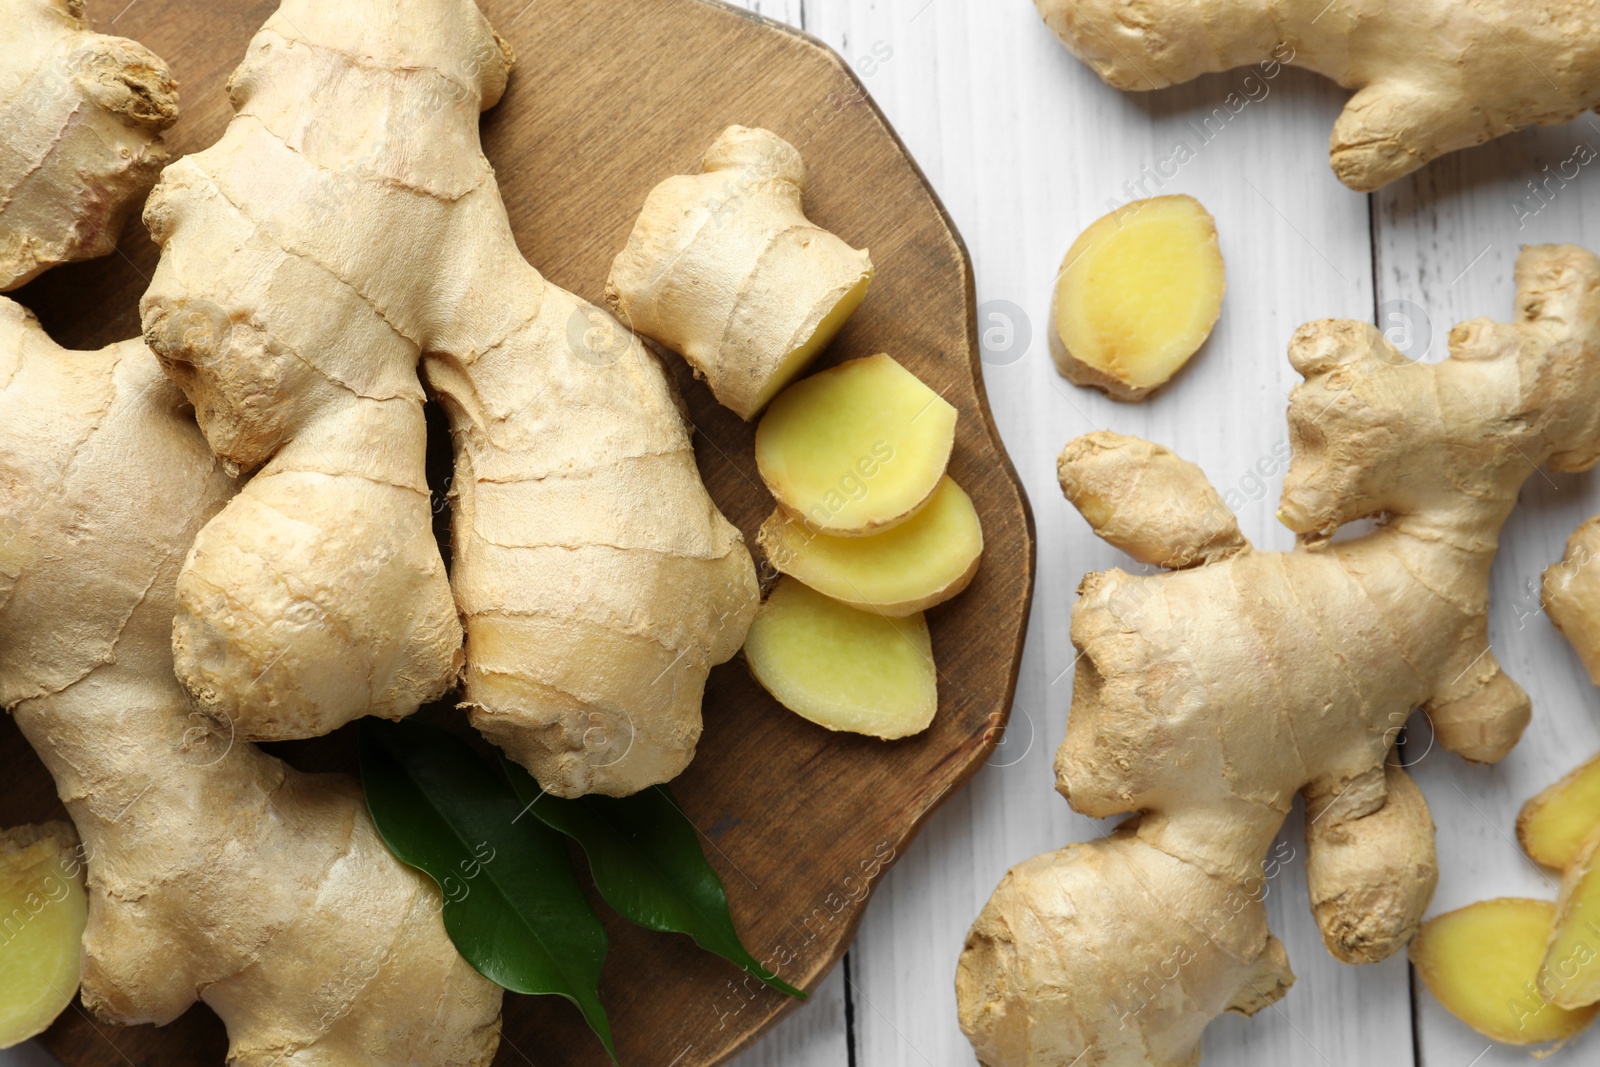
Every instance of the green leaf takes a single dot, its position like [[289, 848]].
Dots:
[[512, 903], [647, 863]]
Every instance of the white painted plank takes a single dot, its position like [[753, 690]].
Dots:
[[790, 11], [1447, 240], [1026, 147]]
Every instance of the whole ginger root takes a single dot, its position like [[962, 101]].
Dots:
[[215, 871], [1206, 698], [1431, 76], [345, 229], [82, 115]]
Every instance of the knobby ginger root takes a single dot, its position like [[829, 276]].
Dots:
[[1571, 595], [856, 449], [1431, 77], [41, 942], [1206, 698], [1552, 826], [911, 567], [842, 668], [214, 869], [724, 268], [82, 115], [597, 581], [1137, 295], [1483, 963]]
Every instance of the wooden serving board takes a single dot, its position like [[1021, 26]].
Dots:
[[608, 98]]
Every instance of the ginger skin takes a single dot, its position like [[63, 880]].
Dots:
[[214, 870], [596, 579], [724, 268], [82, 115], [1430, 77], [1206, 698]]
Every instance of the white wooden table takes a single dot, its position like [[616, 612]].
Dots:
[[1026, 147]]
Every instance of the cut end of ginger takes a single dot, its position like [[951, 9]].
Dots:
[[1137, 295], [1572, 959], [842, 668], [1553, 825], [795, 363], [924, 561], [1484, 963], [856, 449], [46, 909]]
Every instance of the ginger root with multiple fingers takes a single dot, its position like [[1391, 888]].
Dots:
[[346, 228], [1207, 697], [1430, 77]]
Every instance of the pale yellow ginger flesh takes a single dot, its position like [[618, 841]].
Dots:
[[41, 942], [724, 268], [1571, 595], [1483, 963], [857, 448], [1552, 826], [215, 871], [1137, 295], [345, 229], [1207, 698], [82, 115], [1572, 958], [924, 561], [1430, 76], [843, 668]]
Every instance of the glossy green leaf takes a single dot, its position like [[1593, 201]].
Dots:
[[647, 863], [512, 903]]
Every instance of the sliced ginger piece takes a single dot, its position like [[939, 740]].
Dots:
[[45, 908], [842, 668], [1137, 295], [924, 561], [1484, 963], [1572, 959], [856, 449], [1553, 825]]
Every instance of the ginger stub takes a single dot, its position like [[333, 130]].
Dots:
[[842, 668], [911, 567], [724, 268], [45, 909], [1483, 962], [1137, 295], [856, 449]]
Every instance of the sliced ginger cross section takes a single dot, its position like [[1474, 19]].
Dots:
[[1137, 295], [1553, 825], [856, 449], [924, 561], [842, 668], [1484, 963], [45, 908], [1572, 958]]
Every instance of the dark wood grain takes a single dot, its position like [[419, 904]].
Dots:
[[608, 99]]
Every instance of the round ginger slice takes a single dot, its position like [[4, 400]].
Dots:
[[1553, 825], [924, 561], [856, 449], [841, 668], [45, 909], [1137, 295], [1484, 961]]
